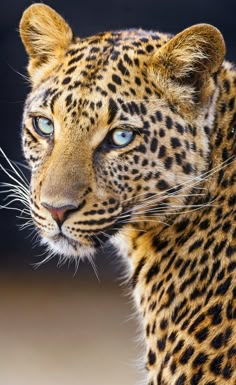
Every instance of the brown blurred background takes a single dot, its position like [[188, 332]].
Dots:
[[57, 327]]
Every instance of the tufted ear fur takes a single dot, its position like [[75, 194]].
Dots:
[[185, 64], [45, 35]]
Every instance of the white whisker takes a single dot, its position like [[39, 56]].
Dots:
[[94, 267]]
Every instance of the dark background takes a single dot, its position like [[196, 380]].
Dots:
[[85, 17]]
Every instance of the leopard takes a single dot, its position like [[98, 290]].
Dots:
[[130, 137]]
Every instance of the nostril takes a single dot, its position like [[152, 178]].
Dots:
[[59, 214]]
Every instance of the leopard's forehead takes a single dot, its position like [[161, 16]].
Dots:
[[98, 76], [89, 62]]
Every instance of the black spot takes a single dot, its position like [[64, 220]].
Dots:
[[223, 288], [172, 336], [188, 282], [162, 133], [215, 365], [232, 200], [66, 80], [162, 151], [204, 224], [204, 273], [187, 354], [179, 128], [230, 251], [227, 371], [231, 267], [200, 360], [208, 243], [149, 48], [70, 70], [197, 321], [202, 334], [144, 162], [143, 109], [217, 341], [169, 122], [151, 357], [159, 116], [115, 55], [116, 79], [182, 225], [219, 247], [154, 327], [68, 99], [163, 324], [153, 146], [159, 244], [75, 59], [195, 245], [168, 162], [111, 87], [154, 270], [137, 271], [161, 344], [173, 367], [141, 148], [178, 347], [136, 159], [162, 185], [127, 59], [137, 81], [187, 168], [181, 380], [175, 142], [195, 380]]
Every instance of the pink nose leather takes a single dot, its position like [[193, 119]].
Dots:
[[59, 214]]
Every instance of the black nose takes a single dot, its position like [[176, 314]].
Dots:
[[60, 214]]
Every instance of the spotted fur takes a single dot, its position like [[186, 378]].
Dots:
[[167, 200]]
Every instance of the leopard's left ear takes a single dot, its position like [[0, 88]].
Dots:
[[45, 35], [186, 63]]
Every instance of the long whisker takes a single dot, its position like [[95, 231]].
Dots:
[[187, 184], [94, 267], [23, 179]]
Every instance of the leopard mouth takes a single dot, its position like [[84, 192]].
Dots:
[[63, 244]]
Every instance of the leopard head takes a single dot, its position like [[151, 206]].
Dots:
[[115, 127]]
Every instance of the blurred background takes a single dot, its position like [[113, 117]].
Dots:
[[57, 327]]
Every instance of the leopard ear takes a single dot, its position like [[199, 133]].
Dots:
[[186, 63], [45, 35]]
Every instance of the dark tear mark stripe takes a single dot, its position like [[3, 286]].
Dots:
[[53, 100], [29, 133], [112, 110]]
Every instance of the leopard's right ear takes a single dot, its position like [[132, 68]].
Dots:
[[184, 67], [45, 35]]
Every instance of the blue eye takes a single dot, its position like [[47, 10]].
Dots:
[[121, 137], [43, 126]]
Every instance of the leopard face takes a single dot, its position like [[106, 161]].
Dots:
[[115, 128]]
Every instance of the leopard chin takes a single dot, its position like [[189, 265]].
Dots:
[[67, 247]]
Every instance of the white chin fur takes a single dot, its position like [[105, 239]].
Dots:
[[63, 248]]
